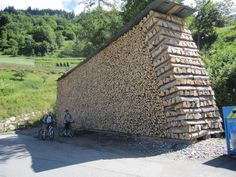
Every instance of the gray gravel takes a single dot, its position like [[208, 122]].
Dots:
[[205, 149]]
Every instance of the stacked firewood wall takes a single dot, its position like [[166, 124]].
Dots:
[[116, 90], [188, 99], [150, 81]]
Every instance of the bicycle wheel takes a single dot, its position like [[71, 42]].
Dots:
[[39, 133], [61, 132], [51, 134], [71, 133], [43, 134]]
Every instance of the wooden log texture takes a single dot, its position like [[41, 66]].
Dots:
[[150, 81]]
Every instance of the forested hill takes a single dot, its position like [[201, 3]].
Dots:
[[30, 11], [34, 32]]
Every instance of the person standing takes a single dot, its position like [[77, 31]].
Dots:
[[67, 121]]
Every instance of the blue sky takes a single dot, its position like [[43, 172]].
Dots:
[[70, 5], [67, 5]]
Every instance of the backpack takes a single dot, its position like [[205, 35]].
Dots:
[[47, 119]]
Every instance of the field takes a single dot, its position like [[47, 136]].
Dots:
[[39, 61], [36, 91], [8, 60]]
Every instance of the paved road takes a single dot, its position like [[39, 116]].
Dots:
[[26, 156]]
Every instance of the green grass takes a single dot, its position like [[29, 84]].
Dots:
[[38, 89], [220, 60], [38, 61], [5, 59], [47, 62], [36, 92]]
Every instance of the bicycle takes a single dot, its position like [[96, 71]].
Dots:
[[43, 133], [66, 133]]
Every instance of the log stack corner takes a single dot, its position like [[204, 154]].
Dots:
[[149, 80]]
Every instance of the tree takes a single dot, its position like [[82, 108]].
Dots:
[[3, 40], [28, 49], [41, 48], [21, 43], [220, 60], [12, 48], [32, 28], [44, 33], [69, 34], [45, 39], [96, 27], [209, 15], [178, 1], [20, 75], [223, 75], [5, 19], [59, 39], [98, 3], [50, 21], [132, 8], [67, 50], [10, 10]]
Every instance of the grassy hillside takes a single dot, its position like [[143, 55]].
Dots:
[[36, 91], [220, 60]]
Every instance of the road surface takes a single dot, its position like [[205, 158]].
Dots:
[[26, 156]]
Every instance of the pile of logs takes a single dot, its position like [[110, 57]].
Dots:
[[188, 100], [150, 81]]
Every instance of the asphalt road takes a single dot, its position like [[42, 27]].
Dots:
[[26, 156]]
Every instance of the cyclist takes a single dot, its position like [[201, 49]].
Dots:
[[67, 121], [48, 120]]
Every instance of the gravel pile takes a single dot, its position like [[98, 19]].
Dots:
[[205, 149], [173, 149]]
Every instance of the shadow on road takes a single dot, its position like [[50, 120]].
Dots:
[[85, 147], [226, 162], [47, 155]]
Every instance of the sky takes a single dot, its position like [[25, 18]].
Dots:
[[67, 5]]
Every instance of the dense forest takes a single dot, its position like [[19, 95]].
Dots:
[[34, 32]]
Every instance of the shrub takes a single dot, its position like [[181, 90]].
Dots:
[[20, 75], [11, 51]]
